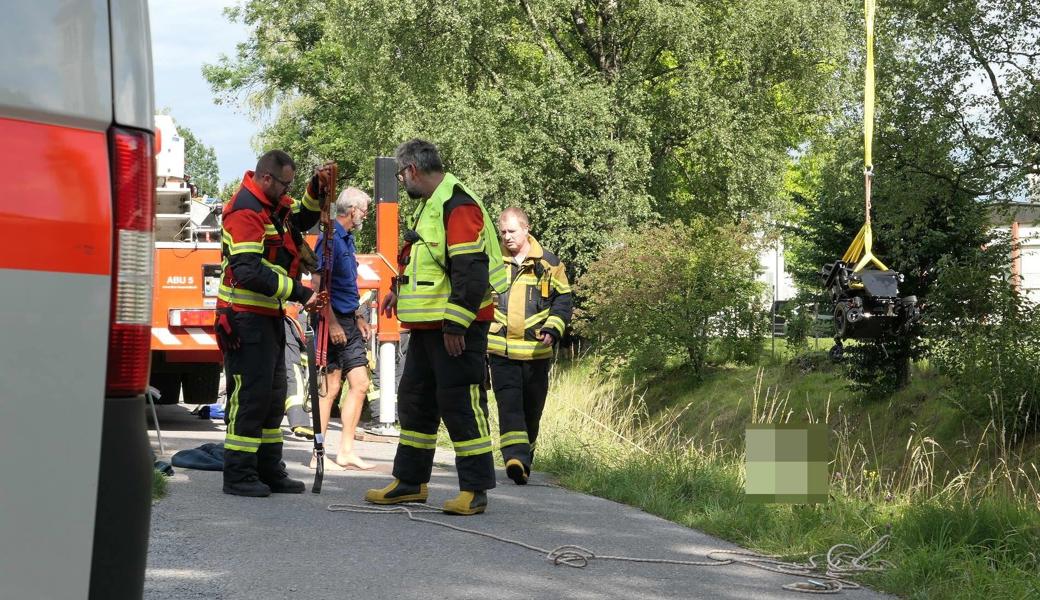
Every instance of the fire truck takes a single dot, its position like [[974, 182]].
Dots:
[[184, 354]]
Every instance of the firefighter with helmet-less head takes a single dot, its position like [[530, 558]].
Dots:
[[449, 266], [261, 262], [529, 319]]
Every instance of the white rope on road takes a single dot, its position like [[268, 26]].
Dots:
[[842, 560]]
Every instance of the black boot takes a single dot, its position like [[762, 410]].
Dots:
[[240, 475], [272, 471], [517, 471]]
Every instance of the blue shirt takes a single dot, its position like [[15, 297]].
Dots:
[[343, 289]]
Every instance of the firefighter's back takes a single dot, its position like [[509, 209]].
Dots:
[[76, 111]]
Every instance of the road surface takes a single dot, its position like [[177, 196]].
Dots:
[[205, 544]]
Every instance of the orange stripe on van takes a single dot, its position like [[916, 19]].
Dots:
[[56, 213]]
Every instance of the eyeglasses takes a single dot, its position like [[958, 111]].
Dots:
[[286, 184], [400, 174]]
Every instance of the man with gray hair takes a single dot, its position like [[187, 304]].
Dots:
[[449, 266], [348, 329]]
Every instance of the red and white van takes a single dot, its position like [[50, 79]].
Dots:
[[77, 211]]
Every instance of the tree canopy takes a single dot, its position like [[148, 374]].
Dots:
[[956, 136], [592, 115]]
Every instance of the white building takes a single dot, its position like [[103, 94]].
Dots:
[[1022, 222], [773, 273]]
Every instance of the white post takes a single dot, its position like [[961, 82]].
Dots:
[[373, 326], [387, 385]]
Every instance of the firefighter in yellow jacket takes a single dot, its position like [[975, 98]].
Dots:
[[529, 319]]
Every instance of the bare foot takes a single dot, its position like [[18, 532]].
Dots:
[[353, 461], [330, 465]]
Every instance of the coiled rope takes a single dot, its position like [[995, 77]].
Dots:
[[825, 573]]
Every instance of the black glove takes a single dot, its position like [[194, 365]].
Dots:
[[317, 191], [226, 330], [314, 189]]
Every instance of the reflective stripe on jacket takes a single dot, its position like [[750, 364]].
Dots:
[[260, 257], [425, 290], [538, 300]]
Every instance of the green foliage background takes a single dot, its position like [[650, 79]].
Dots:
[[601, 117], [684, 290], [592, 116]]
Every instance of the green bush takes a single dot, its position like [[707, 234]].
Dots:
[[987, 337], [158, 484], [877, 368], [685, 290], [799, 319], [742, 329]]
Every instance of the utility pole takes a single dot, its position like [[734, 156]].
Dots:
[[815, 320]]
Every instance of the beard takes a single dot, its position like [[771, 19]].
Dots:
[[358, 226], [412, 192]]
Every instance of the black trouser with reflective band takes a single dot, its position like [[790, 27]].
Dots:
[[520, 389], [256, 387], [437, 386], [295, 379]]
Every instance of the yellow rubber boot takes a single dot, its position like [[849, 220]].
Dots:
[[466, 503], [516, 471], [398, 492]]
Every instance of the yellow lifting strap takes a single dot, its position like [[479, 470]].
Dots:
[[868, 89], [860, 251]]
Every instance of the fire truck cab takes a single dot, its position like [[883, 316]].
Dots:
[[76, 143]]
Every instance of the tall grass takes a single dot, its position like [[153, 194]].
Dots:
[[968, 532]]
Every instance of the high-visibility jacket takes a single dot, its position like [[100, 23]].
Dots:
[[424, 288], [260, 257], [538, 300]]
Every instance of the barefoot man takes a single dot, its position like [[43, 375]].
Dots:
[[348, 330]]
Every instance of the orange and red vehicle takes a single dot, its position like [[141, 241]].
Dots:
[[185, 357]]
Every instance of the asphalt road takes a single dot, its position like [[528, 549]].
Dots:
[[205, 544]]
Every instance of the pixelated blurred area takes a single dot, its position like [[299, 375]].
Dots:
[[786, 463]]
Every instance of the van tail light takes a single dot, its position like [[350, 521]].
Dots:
[[133, 190], [185, 317]]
